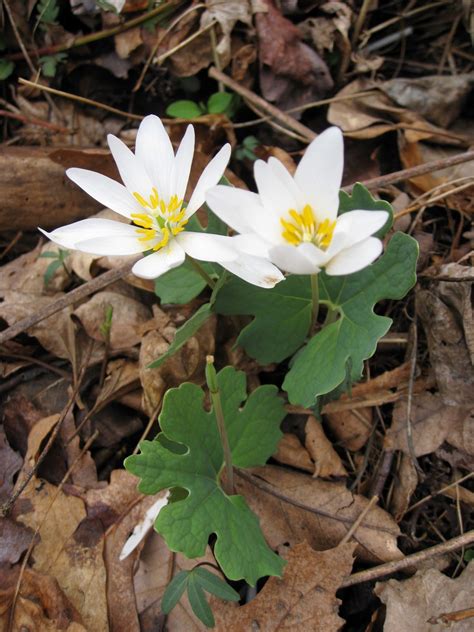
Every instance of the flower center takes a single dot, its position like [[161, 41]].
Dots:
[[303, 228], [160, 220]]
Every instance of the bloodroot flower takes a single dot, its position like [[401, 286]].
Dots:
[[293, 220], [152, 198]]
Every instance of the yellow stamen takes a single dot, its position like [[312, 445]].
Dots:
[[141, 219], [165, 239], [305, 229]]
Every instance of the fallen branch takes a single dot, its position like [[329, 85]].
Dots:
[[410, 560]]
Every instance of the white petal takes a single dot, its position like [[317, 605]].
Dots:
[[154, 150], [141, 530], [254, 270], [105, 190], [287, 180], [358, 225], [207, 247], [242, 211], [314, 254], [355, 258], [209, 178], [130, 168], [159, 262], [291, 259], [182, 164], [319, 173], [276, 197], [252, 244], [68, 236]]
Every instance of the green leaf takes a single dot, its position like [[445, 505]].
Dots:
[[184, 333], [6, 68], [48, 11], [282, 316], [198, 602], [360, 198], [50, 63], [184, 109], [320, 367], [213, 584], [49, 254], [181, 284], [253, 433], [219, 102], [174, 591], [51, 271]]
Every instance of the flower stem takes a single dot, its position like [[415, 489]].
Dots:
[[200, 270], [315, 297], [211, 379], [331, 316]]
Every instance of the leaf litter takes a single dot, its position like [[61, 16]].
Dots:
[[404, 432]]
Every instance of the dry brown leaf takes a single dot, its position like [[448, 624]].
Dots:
[[352, 428], [303, 599], [41, 604], [406, 481], [291, 452], [14, 540], [439, 98], [327, 462], [127, 316], [10, 464], [127, 42], [432, 423], [291, 73], [226, 13], [330, 30], [411, 603], [445, 310], [330, 510]]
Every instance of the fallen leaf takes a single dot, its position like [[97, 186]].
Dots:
[[291, 73], [303, 599], [405, 483], [433, 422], [352, 428], [10, 464], [446, 313], [41, 604], [127, 316], [327, 462], [226, 13], [411, 603], [291, 452], [14, 541], [330, 510]]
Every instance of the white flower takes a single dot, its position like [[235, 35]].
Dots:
[[155, 182], [293, 220]]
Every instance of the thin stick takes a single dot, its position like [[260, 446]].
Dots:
[[373, 501], [64, 301], [410, 560], [98, 35], [440, 491], [34, 121], [261, 103]]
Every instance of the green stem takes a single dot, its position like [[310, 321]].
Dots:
[[331, 316], [211, 379], [200, 270], [315, 297]]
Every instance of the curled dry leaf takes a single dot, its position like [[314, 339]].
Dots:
[[327, 463], [40, 605], [406, 481], [291, 452], [352, 428], [303, 599], [329, 511], [445, 310], [226, 13], [412, 603], [432, 422], [331, 29]]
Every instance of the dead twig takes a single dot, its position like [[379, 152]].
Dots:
[[279, 115], [410, 560]]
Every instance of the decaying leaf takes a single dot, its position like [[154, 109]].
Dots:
[[412, 603], [41, 604], [327, 463], [445, 310], [405, 484], [433, 422], [10, 463], [352, 428], [329, 511], [291, 452], [303, 599], [226, 13], [14, 540]]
